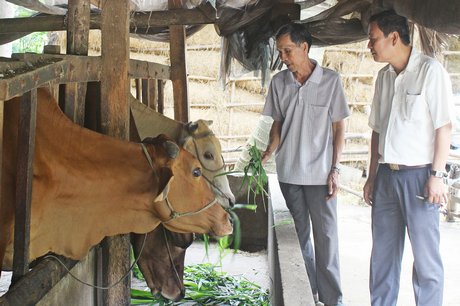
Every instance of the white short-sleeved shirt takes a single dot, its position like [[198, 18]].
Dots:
[[408, 108], [307, 111]]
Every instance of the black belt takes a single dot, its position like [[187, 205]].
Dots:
[[404, 167]]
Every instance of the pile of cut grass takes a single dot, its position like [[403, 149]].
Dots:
[[207, 286]]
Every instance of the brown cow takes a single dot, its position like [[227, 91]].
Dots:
[[162, 258], [161, 261], [87, 186]]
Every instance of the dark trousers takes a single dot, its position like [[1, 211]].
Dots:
[[395, 208], [322, 263]]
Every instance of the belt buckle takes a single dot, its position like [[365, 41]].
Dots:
[[394, 167]]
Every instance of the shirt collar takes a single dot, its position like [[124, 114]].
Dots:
[[413, 60], [412, 63], [315, 76]]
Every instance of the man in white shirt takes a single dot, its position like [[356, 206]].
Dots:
[[308, 106], [411, 123]]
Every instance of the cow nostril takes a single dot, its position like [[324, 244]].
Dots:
[[182, 294], [157, 295], [231, 203]]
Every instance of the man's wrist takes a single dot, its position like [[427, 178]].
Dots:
[[335, 168], [438, 174]]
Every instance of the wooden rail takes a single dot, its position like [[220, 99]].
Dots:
[[20, 77]]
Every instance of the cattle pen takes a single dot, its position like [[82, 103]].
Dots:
[[75, 77]]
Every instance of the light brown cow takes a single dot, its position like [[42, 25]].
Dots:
[[87, 186], [162, 258]]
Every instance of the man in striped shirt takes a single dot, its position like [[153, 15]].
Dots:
[[308, 106]]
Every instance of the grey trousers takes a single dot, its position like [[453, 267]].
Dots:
[[395, 208], [322, 263]]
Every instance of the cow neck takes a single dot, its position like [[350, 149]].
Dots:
[[83, 175]]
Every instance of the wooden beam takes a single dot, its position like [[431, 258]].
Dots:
[[78, 17], [37, 283], [141, 22], [144, 20], [88, 68], [177, 56], [78, 69], [33, 77], [148, 70], [115, 123], [26, 147]]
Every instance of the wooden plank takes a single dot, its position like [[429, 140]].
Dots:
[[80, 68], [23, 82], [161, 96], [141, 22], [178, 67], [152, 88], [145, 92], [148, 70], [26, 147], [115, 122], [88, 68], [138, 85], [37, 283], [32, 24], [77, 44]]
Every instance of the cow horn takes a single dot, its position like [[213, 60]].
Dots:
[[192, 126], [171, 148]]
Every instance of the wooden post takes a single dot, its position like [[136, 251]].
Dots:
[[178, 67], [153, 95], [145, 92], [115, 122], [77, 43], [26, 147], [138, 88], [161, 97]]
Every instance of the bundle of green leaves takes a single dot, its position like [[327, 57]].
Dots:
[[207, 286]]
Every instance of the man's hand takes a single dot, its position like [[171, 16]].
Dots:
[[266, 156], [368, 191], [332, 184], [436, 191]]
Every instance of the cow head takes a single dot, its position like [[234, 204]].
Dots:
[[162, 260], [189, 195], [198, 139]]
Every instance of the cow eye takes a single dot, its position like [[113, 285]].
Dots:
[[196, 172], [208, 155]]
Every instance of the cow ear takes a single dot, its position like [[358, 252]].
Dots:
[[171, 148], [164, 193], [191, 126]]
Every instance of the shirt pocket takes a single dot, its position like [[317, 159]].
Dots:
[[414, 108]]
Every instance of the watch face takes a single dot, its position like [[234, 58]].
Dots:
[[437, 173]]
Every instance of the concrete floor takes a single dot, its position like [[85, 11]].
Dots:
[[355, 246]]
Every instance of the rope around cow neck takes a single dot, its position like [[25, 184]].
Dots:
[[179, 281], [96, 286]]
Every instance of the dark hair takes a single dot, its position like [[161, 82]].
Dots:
[[297, 32], [389, 21]]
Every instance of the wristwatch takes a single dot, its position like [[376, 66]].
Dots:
[[440, 174]]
